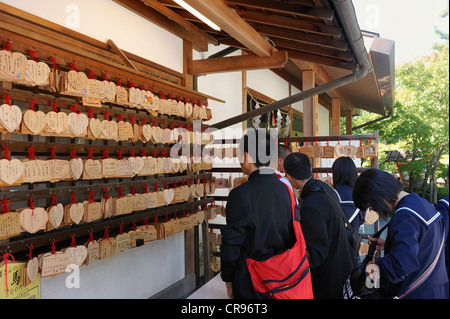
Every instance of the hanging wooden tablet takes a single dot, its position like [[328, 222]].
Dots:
[[55, 214], [109, 166], [30, 271], [53, 264], [9, 222], [136, 237], [370, 150], [93, 250], [77, 254], [57, 123], [11, 170], [33, 219], [59, 170], [318, 151], [308, 150], [371, 217], [149, 232], [110, 90], [95, 127], [10, 116], [36, 170], [359, 151], [125, 130], [92, 169], [33, 122], [107, 248], [123, 242], [328, 151], [93, 209]]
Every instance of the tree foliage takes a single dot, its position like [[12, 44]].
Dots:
[[420, 123]]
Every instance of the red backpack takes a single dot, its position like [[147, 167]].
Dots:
[[285, 275]]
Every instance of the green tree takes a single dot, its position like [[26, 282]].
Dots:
[[420, 122]]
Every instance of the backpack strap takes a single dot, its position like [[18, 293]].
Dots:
[[426, 273]]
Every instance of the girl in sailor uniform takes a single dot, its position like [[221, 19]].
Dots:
[[414, 241]]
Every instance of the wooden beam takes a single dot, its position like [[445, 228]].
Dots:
[[286, 8], [238, 63], [302, 37], [161, 8], [122, 56], [284, 22], [312, 49], [230, 22], [150, 14], [350, 65]]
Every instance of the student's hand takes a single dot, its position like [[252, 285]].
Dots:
[[229, 290], [379, 241]]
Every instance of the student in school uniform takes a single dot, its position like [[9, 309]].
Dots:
[[330, 255], [344, 177], [415, 236], [442, 207], [259, 216]]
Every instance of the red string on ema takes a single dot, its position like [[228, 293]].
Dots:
[[73, 198], [6, 153], [33, 105], [5, 207], [52, 152], [5, 260], [6, 98], [73, 154], [31, 153]]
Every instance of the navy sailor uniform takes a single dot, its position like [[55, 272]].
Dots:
[[413, 240], [442, 207]]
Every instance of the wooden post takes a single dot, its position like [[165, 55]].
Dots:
[[188, 80], [336, 115], [310, 106], [348, 122]]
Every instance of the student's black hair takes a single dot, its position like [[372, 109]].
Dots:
[[298, 165], [283, 151], [261, 145], [344, 171], [374, 188]]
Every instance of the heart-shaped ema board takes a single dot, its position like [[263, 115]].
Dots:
[[32, 269], [137, 164], [55, 215], [10, 117], [92, 169], [57, 122], [37, 73], [110, 91], [95, 127], [76, 212], [78, 80], [32, 220], [169, 195], [78, 123], [345, 150], [35, 121], [77, 255], [10, 170], [76, 168]]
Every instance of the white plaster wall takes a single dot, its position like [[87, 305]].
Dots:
[[144, 271], [105, 19]]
